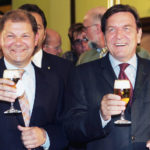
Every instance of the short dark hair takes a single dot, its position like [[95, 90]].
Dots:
[[75, 28], [116, 9], [18, 16], [35, 9]]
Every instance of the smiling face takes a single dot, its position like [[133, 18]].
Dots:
[[122, 35], [18, 42]]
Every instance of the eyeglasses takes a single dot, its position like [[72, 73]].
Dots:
[[79, 41], [90, 26]]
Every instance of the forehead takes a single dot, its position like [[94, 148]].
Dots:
[[17, 26], [78, 34], [37, 17], [121, 18]]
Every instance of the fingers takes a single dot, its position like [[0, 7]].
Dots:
[[148, 144], [7, 90], [111, 104], [32, 137]]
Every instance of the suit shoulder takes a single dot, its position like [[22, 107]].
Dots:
[[46, 74], [144, 61], [55, 58], [90, 65]]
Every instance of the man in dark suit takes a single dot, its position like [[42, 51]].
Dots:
[[42, 59], [91, 106], [43, 90]]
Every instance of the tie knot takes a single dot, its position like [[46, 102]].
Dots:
[[123, 66]]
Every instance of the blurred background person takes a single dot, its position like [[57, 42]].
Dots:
[[1, 14], [78, 40], [52, 43], [92, 23], [41, 58]]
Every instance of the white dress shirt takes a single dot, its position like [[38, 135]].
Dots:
[[37, 58], [130, 72], [29, 83]]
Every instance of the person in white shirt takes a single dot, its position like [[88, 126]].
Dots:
[[43, 90]]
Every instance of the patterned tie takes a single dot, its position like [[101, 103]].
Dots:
[[122, 75], [25, 108]]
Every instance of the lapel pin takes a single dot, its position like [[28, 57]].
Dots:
[[48, 67]]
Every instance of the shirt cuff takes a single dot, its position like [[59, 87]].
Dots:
[[104, 123], [46, 145]]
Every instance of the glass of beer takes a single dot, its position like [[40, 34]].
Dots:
[[122, 88], [14, 75]]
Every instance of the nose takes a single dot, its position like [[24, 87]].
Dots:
[[84, 45], [119, 34], [18, 40]]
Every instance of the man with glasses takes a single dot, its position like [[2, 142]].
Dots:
[[78, 40], [92, 23]]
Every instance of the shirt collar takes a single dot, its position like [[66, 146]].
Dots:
[[114, 62], [10, 66], [37, 58]]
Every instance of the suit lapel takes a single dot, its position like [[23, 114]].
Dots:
[[107, 71], [40, 86], [141, 77], [46, 64]]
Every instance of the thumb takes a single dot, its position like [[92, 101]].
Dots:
[[21, 128], [148, 144]]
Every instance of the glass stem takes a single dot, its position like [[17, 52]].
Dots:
[[12, 105], [122, 115]]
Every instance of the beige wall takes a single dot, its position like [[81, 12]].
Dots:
[[142, 6], [82, 6]]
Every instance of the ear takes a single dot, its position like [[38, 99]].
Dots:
[[36, 39], [139, 35], [44, 35], [98, 27]]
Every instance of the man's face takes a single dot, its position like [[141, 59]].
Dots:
[[80, 43], [53, 45], [41, 30], [122, 35], [18, 42], [91, 30]]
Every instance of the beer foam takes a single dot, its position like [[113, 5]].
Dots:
[[122, 84], [12, 73]]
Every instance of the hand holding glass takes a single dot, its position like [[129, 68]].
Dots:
[[14, 75], [122, 88]]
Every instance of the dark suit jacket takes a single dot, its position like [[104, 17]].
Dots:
[[88, 84], [61, 66], [45, 114]]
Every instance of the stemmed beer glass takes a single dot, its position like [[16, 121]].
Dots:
[[14, 75], [122, 88]]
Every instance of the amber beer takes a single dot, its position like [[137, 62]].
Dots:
[[122, 88], [14, 75]]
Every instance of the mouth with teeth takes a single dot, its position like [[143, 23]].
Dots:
[[120, 44]]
